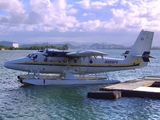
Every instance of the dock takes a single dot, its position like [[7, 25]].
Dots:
[[147, 87]]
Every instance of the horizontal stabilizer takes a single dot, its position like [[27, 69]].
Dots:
[[125, 54], [145, 56]]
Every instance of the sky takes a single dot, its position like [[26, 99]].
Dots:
[[83, 21]]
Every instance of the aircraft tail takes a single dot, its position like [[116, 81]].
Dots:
[[141, 48]]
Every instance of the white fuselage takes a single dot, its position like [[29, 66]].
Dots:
[[80, 65]]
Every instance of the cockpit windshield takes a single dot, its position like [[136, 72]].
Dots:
[[32, 56]]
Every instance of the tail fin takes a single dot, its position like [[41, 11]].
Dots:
[[141, 48], [142, 44]]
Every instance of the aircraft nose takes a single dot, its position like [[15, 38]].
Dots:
[[7, 64], [14, 64]]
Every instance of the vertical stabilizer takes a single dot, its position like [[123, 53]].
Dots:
[[142, 44], [141, 49]]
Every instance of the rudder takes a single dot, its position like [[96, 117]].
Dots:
[[142, 44]]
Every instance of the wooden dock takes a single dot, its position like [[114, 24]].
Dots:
[[147, 87]]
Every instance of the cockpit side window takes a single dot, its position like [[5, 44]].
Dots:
[[30, 55], [34, 57]]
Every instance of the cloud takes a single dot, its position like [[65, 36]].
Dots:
[[64, 16], [72, 11], [87, 4], [54, 14], [46, 15], [85, 14], [43, 15], [111, 2], [98, 5], [139, 15], [84, 4], [88, 14], [12, 6], [15, 12], [91, 25]]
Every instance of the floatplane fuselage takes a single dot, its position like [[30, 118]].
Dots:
[[84, 61], [76, 65]]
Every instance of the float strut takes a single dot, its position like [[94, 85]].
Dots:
[[106, 76]]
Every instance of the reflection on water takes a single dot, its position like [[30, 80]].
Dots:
[[71, 102]]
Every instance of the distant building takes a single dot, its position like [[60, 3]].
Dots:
[[9, 44], [15, 45]]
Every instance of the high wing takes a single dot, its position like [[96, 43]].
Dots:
[[81, 53], [86, 53]]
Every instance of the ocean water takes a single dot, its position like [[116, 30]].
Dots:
[[18, 102]]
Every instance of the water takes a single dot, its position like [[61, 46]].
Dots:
[[19, 102]]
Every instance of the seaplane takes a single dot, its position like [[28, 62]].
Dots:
[[58, 67]]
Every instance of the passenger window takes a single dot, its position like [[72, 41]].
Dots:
[[90, 61], [75, 60]]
